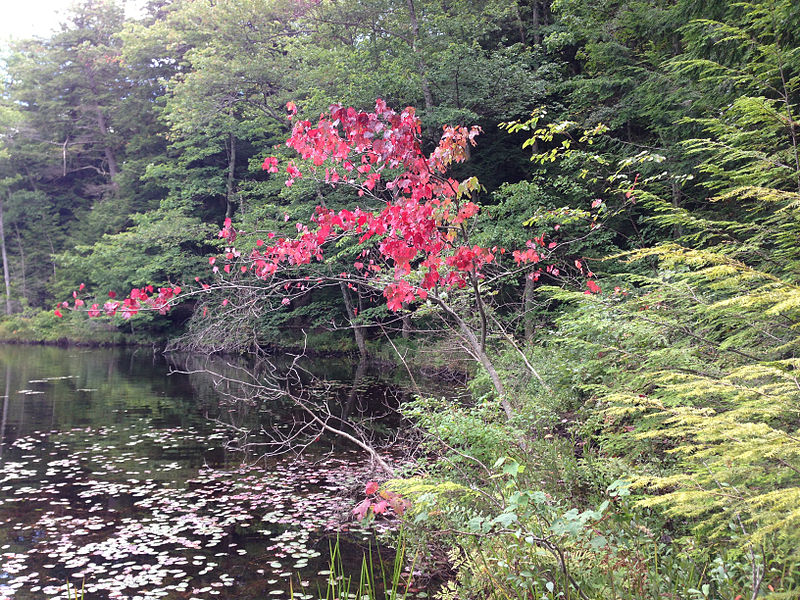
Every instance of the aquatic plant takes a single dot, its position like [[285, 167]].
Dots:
[[386, 584]]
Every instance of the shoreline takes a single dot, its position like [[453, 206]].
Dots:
[[374, 359]]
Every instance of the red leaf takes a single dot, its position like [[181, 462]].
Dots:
[[270, 164], [360, 511], [371, 488], [593, 287]]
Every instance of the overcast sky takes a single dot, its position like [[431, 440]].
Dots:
[[26, 18]]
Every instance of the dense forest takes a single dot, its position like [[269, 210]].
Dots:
[[624, 253]]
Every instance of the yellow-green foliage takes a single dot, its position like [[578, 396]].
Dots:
[[444, 491], [706, 388]]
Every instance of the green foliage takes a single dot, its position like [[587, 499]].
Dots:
[[514, 541], [161, 248], [664, 158], [692, 379], [471, 437], [38, 326]]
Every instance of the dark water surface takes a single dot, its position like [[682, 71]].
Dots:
[[131, 481]]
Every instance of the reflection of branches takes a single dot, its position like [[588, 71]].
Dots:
[[307, 399]]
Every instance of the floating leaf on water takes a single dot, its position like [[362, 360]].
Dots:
[[126, 556]]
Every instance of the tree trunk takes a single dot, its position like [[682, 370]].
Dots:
[[102, 128], [481, 312], [537, 22], [22, 262], [111, 159], [6, 277], [358, 331], [52, 253], [520, 24], [406, 320], [421, 67], [478, 352], [229, 184], [527, 307]]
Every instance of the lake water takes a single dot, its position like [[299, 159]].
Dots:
[[121, 476]]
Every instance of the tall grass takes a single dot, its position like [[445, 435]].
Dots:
[[385, 583], [71, 591]]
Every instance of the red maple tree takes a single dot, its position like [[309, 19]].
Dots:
[[415, 236]]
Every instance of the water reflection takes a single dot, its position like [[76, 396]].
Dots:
[[119, 472]]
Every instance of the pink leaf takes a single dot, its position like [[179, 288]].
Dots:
[[360, 511]]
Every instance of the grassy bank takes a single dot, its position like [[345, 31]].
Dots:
[[426, 356], [43, 327]]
